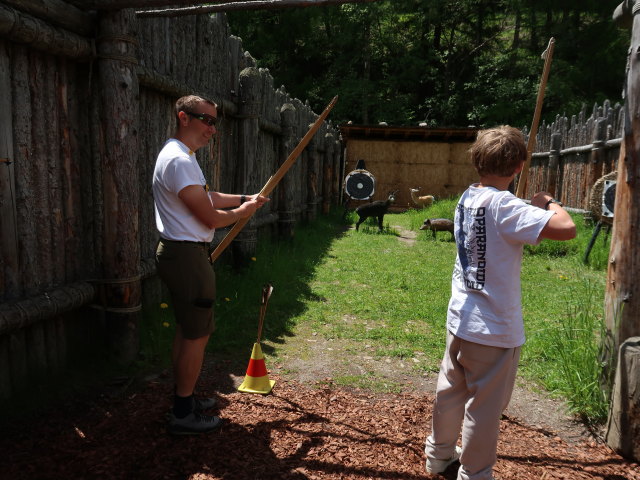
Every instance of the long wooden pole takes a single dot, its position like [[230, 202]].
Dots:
[[275, 178], [547, 55]]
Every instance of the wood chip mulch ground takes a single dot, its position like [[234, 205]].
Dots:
[[297, 432]]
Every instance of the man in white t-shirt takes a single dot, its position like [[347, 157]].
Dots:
[[485, 330], [187, 214]]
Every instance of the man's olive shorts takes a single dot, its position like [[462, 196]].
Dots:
[[185, 268]]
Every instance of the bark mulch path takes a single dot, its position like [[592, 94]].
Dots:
[[297, 432]]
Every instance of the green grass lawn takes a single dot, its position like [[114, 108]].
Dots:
[[395, 297]]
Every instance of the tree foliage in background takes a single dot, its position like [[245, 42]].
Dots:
[[443, 62]]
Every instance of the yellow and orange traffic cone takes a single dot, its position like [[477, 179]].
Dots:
[[257, 380]]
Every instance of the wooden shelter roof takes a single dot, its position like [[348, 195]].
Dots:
[[407, 133]]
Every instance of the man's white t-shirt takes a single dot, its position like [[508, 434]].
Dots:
[[491, 228], [177, 168]]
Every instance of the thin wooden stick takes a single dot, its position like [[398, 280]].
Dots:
[[275, 178], [266, 294], [547, 55]]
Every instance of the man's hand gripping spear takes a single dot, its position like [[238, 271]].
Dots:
[[275, 178]]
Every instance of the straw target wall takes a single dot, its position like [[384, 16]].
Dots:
[[401, 158]]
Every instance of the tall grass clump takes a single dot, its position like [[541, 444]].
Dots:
[[574, 346]]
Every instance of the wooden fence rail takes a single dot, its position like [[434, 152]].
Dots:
[[90, 105]]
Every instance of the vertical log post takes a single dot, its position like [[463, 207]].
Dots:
[[622, 297], [596, 165], [327, 174], [312, 178], [8, 228], [24, 182], [287, 215], [245, 243], [554, 161], [118, 103], [336, 185]]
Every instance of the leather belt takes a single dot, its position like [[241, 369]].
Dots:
[[202, 244]]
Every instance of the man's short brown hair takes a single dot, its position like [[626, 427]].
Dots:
[[498, 151], [189, 102]]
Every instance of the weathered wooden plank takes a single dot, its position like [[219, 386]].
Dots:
[[54, 167], [70, 177], [9, 275], [24, 181], [40, 171]]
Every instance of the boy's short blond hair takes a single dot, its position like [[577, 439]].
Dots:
[[498, 151]]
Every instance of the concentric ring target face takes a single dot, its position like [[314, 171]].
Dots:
[[359, 185], [608, 198]]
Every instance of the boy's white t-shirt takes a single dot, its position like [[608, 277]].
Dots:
[[491, 228], [177, 168]]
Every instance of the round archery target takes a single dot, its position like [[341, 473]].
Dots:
[[608, 198], [359, 184]]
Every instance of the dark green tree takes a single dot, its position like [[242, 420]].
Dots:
[[443, 62]]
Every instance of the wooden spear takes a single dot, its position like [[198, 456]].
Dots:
[[275, 178], [547, 55]]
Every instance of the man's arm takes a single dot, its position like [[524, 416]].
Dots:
[[199, 203], [226, 200]]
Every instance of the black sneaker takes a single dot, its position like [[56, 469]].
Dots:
[[193, 424], [199, 405], [202, 404]]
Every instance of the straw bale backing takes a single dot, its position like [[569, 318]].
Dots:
[[438, 168]]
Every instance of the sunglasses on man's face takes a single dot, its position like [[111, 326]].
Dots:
[[203, 117]]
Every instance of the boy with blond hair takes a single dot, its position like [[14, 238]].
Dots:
[[485, 330]]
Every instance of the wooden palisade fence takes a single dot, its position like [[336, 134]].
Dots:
[[87, 102], [571, 154]]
